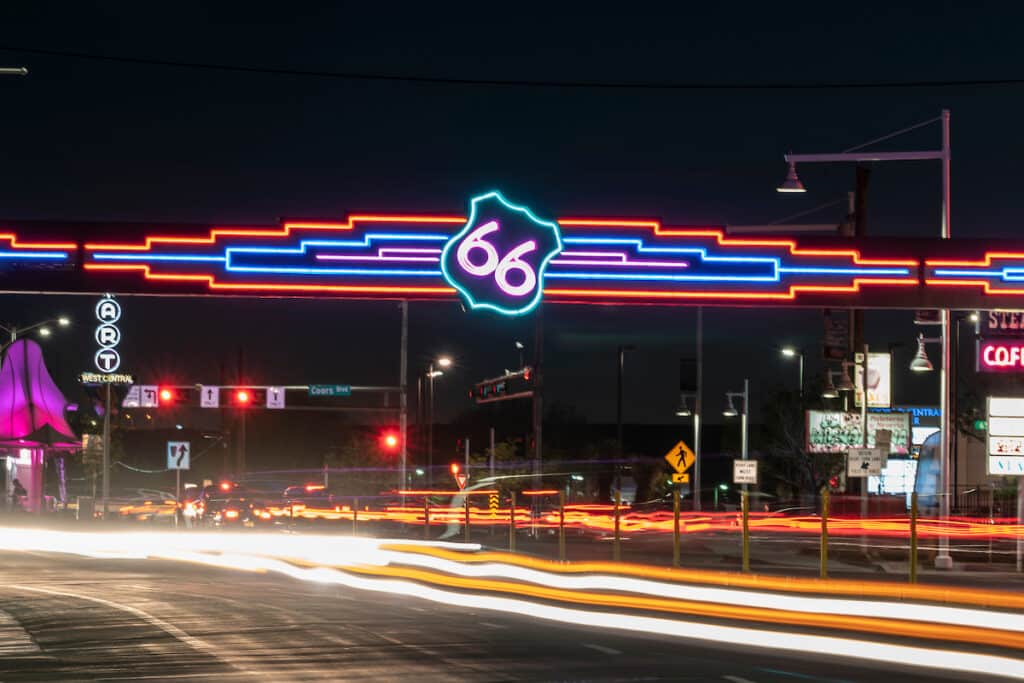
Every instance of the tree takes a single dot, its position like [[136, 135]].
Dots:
[[786, 459]]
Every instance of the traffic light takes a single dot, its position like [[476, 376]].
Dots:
[[509, 386], [167, 396], [390, 441], [245, 397], [455, 468]]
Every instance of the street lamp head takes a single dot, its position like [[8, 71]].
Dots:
[[830, 390], [730, 409], [792, 182], [723, 487], [519, 345], [435, 373], [683, 410], [444, 362], [973, 317], [44, 331], [921, 362], [63, 321], [789, 352], [845, 383]]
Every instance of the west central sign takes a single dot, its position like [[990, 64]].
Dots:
[[505, 258]]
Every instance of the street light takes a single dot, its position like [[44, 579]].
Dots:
[[684, 409], [431, 374], [790, 352], [731, 411], [829, 390], [618, 403], [13, 331], [943, 560], [792, 182], [921, 362], [845, 383]]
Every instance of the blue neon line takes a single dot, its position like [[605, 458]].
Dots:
[[847, 271], [365, 242], [653, 276], [673, 250], [334, 271], [155, 257], [969, 273], [53, 256]]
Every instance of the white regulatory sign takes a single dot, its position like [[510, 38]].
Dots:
[[149, 396], [744, 471], [178, 455], [209, 397], [863, 462], [275, 398], [131, 399]]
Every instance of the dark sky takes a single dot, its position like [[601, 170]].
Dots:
[[92, 140]]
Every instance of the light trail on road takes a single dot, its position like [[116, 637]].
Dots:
[[425, 570]]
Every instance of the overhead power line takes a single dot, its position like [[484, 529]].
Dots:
[[513, 83]]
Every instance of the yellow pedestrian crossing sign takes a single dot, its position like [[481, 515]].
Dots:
[[680, 457], [680, 477]]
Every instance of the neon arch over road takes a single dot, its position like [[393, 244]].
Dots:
[[573, 260]]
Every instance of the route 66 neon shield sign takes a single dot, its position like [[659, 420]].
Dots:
[[497, 261]]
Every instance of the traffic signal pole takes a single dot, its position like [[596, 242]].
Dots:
[[403, 399]]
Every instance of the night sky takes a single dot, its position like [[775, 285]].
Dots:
[[93, 140]]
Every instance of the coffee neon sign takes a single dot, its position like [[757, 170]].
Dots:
[[1001, 356]]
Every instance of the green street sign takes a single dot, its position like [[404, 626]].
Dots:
[[330, 390]]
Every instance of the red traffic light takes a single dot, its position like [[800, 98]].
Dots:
[[243, 397], [455, 469], [166, 394], [389, 441]]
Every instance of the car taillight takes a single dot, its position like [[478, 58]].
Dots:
[[264, 515], [231, 514]]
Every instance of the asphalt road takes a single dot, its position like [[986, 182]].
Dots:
[[66, 618]]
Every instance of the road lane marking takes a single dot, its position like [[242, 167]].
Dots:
[[737, 679], [165, 626], [492, 625], [602, 648]]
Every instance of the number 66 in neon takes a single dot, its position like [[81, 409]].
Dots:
[[492, 264]]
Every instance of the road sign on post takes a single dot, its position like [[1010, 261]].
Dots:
[[680, 458], [317, 390], [178, 455], [864, 462], [744, 471]]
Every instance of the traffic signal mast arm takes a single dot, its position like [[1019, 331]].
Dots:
[[509, 386]]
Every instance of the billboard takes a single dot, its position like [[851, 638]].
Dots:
[[1005, 441], [837, 432], [879, 381]]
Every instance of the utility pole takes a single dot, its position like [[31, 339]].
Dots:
[[403, 399]]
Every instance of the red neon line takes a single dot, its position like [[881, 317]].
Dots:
[[973, 283], [793, 290], [987, 262], [15, 244], [629, 294], [722, 240], [213, 285], [284, 231]]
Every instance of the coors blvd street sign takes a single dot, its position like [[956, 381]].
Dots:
[[499, 256]]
